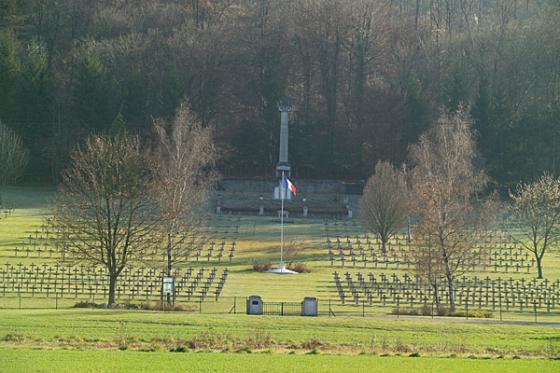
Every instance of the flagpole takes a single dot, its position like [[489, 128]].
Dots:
[[282, 191]]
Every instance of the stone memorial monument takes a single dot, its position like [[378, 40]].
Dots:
[[283, 170], [285, 106]]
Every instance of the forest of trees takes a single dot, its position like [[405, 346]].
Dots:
[[367, 78]]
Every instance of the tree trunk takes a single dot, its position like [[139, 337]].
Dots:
[[436, 296], [408, 231], [448, 274], [169, 271], [539, 267], [169, 254], [112, 287], [451, 289], [417, 15], [169, 265]]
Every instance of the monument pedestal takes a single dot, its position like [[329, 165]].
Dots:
[[282, 270]]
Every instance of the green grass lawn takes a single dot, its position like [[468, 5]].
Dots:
[[40, 338], [29, 360]]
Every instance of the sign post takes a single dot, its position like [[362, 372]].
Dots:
[[168, 288]]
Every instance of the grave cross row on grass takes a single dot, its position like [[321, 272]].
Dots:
[[81, 282], [347, 246], [213, 243], [481, 293]]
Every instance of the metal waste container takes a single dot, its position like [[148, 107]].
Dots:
[[309, 306], [254, 305]]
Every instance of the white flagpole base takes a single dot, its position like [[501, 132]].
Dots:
[[282, 270]]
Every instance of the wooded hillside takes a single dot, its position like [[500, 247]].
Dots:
[[367, 77]]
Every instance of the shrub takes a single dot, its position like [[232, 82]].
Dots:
[[311, 344], [261, 339], [414, 354], [476, 314], [159, 306], [128, 306], [406, 311], [426, 310], [442, 311], [261, 267], [293, 345], [87, 304], [299, 268], [178, 349], [422, 311], [207, 340]]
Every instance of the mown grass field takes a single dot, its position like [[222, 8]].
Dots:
[[39, 338], [141, 330], [28, 360], [119, 340]]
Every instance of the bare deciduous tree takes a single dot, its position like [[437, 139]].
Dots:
[[384, 205], [13, 156], [536, 207], [445, 182], [104, 212], [183, 170]]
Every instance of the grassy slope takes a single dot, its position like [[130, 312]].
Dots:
[[31, 207]]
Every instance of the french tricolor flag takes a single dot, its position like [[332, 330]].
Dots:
[[287, 184]]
